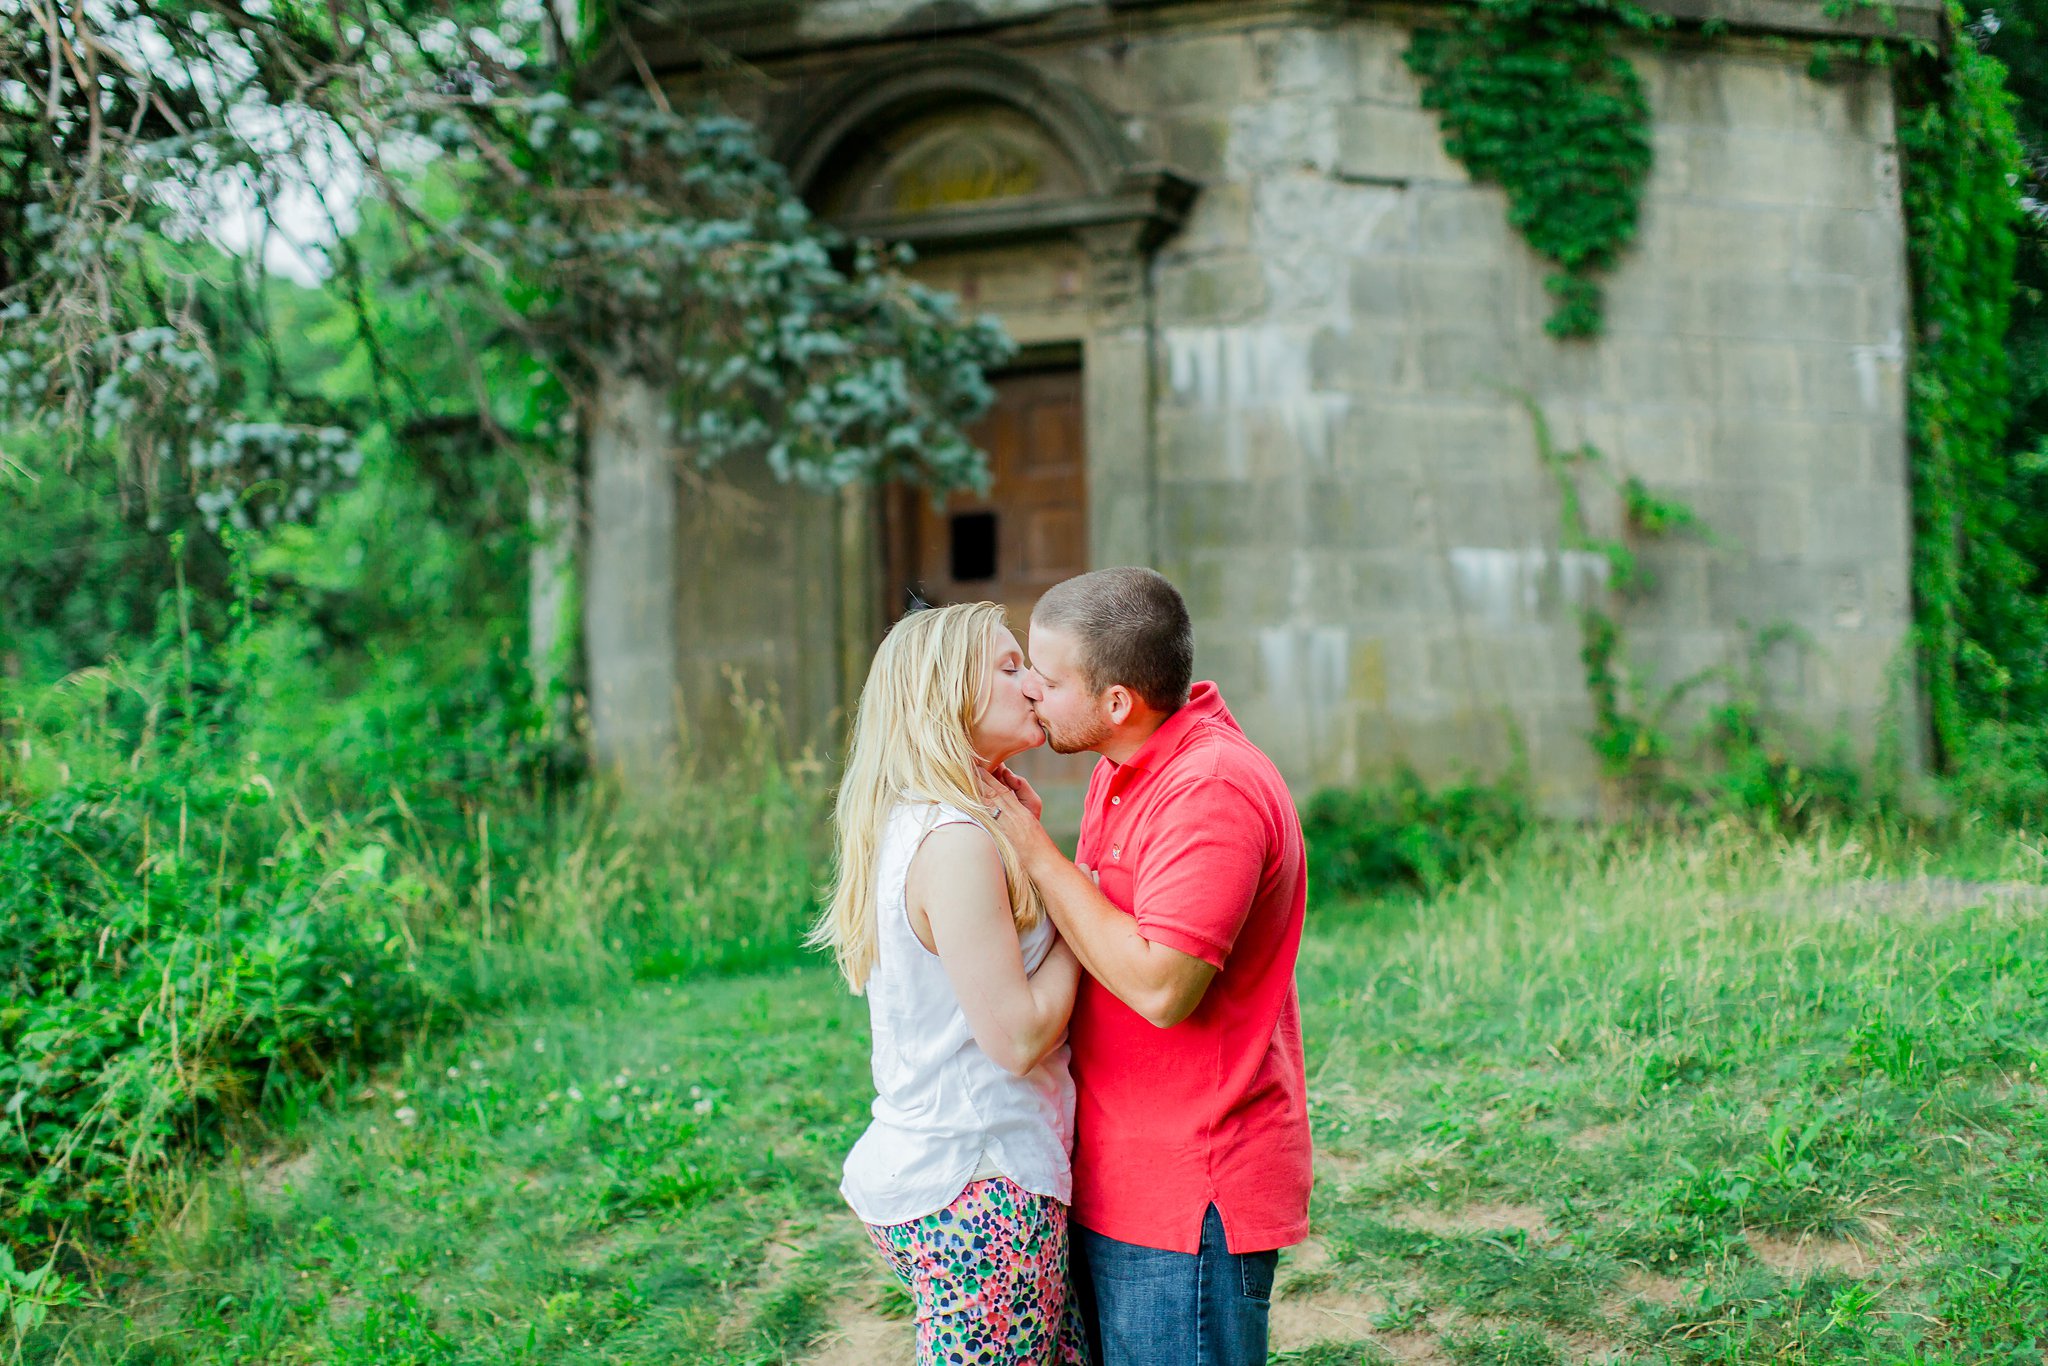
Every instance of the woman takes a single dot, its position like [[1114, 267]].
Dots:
[[962, 1178]]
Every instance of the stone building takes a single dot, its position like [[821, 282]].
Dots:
[[1272, 338]]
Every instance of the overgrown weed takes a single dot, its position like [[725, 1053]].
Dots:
[[1684, 1054], [1596, 1057], [191, 946]]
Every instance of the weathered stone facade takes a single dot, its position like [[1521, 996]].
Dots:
[[1301, 331]]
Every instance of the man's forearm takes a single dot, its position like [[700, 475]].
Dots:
[[1105, 939], [1161, 984]]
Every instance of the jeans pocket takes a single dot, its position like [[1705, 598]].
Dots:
[[1257, 1269]]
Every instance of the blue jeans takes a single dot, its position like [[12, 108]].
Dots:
[[1147, 1307]]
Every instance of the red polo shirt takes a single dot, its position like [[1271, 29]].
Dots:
[[1196, 836]]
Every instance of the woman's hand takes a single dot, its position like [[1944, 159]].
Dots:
[[1059, 958], [1027, 796]]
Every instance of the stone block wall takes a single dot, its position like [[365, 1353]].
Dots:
[[756, 610], [1348, 489], [1336, 468]]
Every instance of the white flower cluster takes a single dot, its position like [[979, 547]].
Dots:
[[264, 473]]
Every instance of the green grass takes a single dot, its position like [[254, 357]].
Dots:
[[647, 1180], [1700, 1100], [183, 940], [1597, 1080]]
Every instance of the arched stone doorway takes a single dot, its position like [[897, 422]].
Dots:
[[1021, 195]]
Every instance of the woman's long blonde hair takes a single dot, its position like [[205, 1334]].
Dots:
[[928, 684]]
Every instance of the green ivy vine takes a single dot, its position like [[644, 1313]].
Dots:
[[1532, 96], [1627, 734], [1741, 757], [1961, 154]]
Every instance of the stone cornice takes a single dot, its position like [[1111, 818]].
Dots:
[[769, 30], [1156, 204]]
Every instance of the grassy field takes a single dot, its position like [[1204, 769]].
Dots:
[[1699, 1101]]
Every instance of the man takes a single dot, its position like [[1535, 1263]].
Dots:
[[1191, 1153]]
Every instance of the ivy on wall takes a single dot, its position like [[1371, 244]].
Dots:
[[1627, 733], [1740, 757], [1961, 158], [1533, 97]]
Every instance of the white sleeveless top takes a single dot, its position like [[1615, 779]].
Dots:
[[945, 1114]]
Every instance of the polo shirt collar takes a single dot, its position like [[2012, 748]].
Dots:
[[1204, 703]]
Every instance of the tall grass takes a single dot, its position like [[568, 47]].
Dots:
[[1592, 936], [1691, 1097], [1606, 1056], [188, 942]]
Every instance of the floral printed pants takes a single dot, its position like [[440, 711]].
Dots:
[[988, 1274]]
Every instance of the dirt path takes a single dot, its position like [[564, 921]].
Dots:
[[863, 1330]]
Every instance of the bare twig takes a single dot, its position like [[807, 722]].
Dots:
[[624, 34]]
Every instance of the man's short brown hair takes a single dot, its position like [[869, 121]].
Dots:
[[1131, 628]]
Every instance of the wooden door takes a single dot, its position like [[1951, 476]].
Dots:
[[1028, 532]]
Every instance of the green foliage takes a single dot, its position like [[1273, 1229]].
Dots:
[[181, 937], [27, 1295], [2002, 772], [534, 251], [281, 797], [2015, 34], [1533, 97], [187, 940], [385, 643], [1627, 741], [1978, 617], [78, 581], [1768, 774], [1650, 515], [1707, 1074], [720, 874], [1402, 834], [1618, 1085], [1978, 405], [1821, 1314], [1991, 1285], [1335, 1354], [1742, 759], [168, 959], [1502, 1347], [427, 529], [626, 238], [646, 1175]]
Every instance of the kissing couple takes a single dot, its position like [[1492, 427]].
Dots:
[[1117, 1037]]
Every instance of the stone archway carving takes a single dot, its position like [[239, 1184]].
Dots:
[[1113, 195]]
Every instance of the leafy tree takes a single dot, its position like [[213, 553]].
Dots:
[[2010, 674], [584, 253], [2016, 32]]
